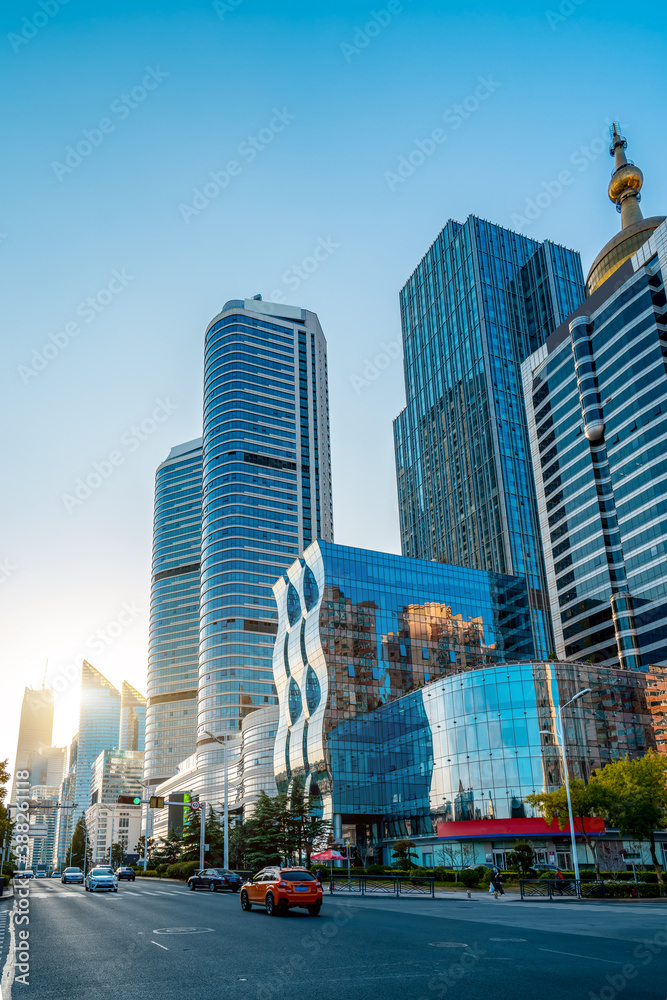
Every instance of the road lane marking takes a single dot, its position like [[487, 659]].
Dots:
[[589, 958], [159, 945], [516, 940]]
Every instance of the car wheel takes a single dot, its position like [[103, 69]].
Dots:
[[314, 911], [245, 902], [270, 904], [86, 888], [191, 886], [115, 890], [212, 887], [236, 889]]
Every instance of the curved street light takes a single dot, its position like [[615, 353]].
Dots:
[[560, 736]]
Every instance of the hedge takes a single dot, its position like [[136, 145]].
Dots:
[[182, 869], [630, 890], [149, 873]]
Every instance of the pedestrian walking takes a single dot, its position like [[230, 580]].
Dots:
[[559, 882], [319, 876], [497, 880]]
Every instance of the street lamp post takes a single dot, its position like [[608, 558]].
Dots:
[[560, 735], [223, 743]]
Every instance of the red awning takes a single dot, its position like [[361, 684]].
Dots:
[[523, 827], [328, 855]]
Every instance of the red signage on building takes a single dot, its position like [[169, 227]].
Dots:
[[490, 829]]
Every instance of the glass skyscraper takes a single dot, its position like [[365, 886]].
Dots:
[[173, 645], [35, 729], [266, 496], [359, 629], [596, 398], [479, 302], [132, 719]]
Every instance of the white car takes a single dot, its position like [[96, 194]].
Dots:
[[101, 878]]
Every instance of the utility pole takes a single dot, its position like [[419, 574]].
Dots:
[[202, 832], [225, 820]]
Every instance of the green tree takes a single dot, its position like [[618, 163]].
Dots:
[[139, 849], [117, 855], [587, 800], [304, 829], [636, 803], [522, 857], [403, 855], [6, 825], [264, 832], [80, 852], [170, 847]]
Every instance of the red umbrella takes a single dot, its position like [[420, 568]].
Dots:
[[328, 855]]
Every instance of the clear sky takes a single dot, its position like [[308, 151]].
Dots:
[[112, 266]]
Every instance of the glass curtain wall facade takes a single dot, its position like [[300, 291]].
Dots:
[[467, 748], [132, 718], [99, 726], [35, 729], [173, 645], [479, 302], [266, 495], [596, 398], [358, 629]]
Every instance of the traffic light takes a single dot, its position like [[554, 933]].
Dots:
[[129, 800], [156, 802]]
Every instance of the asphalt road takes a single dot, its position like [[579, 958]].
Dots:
[[157, 941]]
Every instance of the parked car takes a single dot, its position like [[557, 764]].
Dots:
[[125, 872], [541, 867], [74, 875], [26, 873], [101, 878], [280, 889], [215, 879]]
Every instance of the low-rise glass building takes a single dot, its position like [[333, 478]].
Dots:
[[412, 706]]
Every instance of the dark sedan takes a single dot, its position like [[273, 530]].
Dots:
[[215, 879], [125, 872]]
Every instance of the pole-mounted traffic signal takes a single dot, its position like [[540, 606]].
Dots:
[[156, 802], [129, 800]]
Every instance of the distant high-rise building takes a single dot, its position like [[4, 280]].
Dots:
[[479, 302], [35, 729], [596, 398], [266, 496], [99, 727], [173, 653], [132, 719]]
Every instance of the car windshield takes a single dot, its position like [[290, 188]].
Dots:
[[297, 876], [100, 871], [221, 871], [73, 870]]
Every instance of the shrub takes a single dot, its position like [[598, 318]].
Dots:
[[629, 890], [375, 870], [181, 869], [470, 877], [149, 873]]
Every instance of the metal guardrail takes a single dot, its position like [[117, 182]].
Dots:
[[547, 888], [383, 885]]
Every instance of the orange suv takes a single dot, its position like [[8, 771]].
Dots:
[[280, 889]]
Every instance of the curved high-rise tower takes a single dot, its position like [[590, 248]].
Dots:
[[266, 494]]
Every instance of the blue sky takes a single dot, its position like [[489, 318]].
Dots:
[[336, 95]]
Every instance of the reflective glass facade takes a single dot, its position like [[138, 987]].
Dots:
[[596, 398], [468, 747], [358, 629], [266, 495], [479, 302], [35, 729], [173, 644], [132, 718], [99, 726]]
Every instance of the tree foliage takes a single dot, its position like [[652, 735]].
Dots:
[[587, 800], [80, 852], [636, 799], [521, 857], [403, 855], [5, 821]]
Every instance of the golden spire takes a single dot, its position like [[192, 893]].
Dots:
[[624, 190], [626, 181]]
